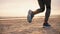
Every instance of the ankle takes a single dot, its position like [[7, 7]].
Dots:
[[33, 13]]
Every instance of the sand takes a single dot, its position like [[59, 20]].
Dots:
[[21, 26]]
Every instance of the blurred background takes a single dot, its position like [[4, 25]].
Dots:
[[19, 8], [18, 24]]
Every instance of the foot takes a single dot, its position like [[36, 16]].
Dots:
[[46, 25], [30, 16]]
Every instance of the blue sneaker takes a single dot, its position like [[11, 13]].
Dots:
[[46, 25], [30, 16]]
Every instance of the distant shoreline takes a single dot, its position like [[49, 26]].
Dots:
[[34, 17]]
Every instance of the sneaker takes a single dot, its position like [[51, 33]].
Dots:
[[30, 16], [46, 25]]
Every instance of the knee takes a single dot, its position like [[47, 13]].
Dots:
[[42, 9], [48, 8]]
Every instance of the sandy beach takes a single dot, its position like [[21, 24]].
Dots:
[[20, 25]]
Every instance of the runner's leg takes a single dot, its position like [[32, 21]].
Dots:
[[48, 10], [42, 7]]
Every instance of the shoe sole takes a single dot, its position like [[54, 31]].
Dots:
[[29, 17]]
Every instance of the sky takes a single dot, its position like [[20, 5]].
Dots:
[[18, 8]]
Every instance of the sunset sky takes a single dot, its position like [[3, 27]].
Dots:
[[18, 8]]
